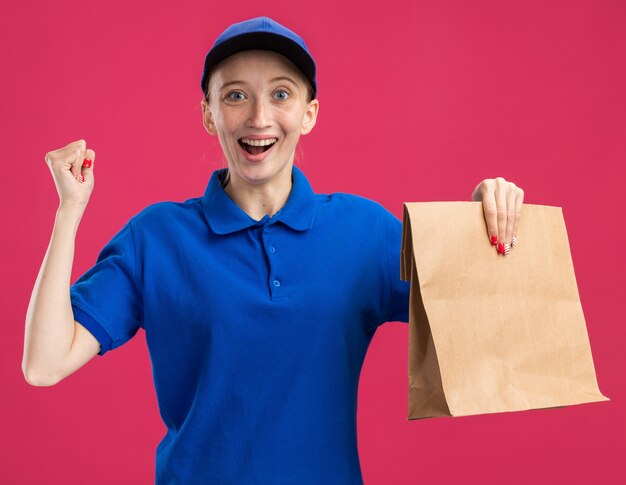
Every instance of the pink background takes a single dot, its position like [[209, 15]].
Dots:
[[420, 100]]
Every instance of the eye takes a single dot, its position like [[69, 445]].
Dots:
[[235, 96], [281, 95]]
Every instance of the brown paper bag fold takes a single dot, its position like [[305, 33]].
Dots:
[[491, 333]]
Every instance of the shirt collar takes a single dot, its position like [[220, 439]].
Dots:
[[224, 216]]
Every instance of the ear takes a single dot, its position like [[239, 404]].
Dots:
[[207, 117], [310, 116]]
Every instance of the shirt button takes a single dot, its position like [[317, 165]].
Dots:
[[272, 249], [276, 283]]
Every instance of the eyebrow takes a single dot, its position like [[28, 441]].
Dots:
[[279, 78], [284, 78]]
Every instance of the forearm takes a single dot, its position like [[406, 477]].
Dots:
[[49, 319]]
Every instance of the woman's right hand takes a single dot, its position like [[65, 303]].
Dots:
[[73, 178]]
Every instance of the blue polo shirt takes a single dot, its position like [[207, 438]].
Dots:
[[256, 330]]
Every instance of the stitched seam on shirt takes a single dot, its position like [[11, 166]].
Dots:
[[98, 319], [135, 275]]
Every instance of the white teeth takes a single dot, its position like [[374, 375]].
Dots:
[[259, 143]]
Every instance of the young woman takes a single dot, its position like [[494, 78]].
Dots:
[[258, 299]]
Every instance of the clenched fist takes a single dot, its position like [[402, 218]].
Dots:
[[72, 170]]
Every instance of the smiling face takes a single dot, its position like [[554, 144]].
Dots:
[[258, 107]]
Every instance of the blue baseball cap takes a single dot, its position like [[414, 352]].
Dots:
[[261, 33]]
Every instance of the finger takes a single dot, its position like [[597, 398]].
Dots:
[[489, 210], [87, 166], [500, 197], [510, 217], [519, 200], [77, 160]]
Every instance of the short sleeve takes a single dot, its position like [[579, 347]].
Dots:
[[107, 300], [399, 290]]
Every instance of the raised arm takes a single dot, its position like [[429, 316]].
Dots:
[[51, 331]]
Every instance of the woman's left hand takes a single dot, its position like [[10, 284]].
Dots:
[[502, 205]]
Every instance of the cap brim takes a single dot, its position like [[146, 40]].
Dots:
[[261, 41]]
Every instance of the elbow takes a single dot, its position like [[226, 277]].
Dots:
[[38, 379]]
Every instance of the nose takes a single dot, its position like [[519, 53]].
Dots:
[[258, 114]]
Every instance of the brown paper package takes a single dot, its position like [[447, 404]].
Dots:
[[491, 333]]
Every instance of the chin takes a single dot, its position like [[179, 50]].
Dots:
[[255, 175]]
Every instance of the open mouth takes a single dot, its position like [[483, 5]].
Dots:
[[254, 147]]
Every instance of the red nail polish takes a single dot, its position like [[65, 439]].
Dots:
[[494, 240], [501, 248], [87, 162]]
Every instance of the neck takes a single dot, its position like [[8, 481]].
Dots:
[[259, 200]]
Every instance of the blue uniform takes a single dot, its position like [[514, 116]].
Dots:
[[257, 330]]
